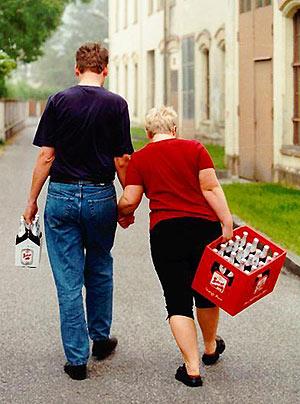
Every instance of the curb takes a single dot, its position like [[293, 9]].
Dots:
[[292, 261]]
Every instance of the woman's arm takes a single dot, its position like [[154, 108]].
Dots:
[[130, 199], [214, 195], [121, 164]]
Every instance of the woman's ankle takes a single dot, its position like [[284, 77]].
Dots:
[[210, 347], [192, 369]]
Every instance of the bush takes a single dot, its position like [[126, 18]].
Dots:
[[23, 91]]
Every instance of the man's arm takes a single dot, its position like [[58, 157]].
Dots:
[[39, 177], [213, 193], [121, 164]]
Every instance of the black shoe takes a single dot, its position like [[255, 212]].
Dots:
[[185, 378], [102, 349], [210, 359], [76, 372]]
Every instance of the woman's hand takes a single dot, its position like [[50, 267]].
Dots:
[[126, 221], [227, 230]]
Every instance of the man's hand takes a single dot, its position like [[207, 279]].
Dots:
[[126, 221], [30, 212]]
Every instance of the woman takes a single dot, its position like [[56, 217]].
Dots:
[[188, 211]]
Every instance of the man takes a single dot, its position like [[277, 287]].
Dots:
[[84, 135]]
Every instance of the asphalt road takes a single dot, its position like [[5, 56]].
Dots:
[[260, 365]]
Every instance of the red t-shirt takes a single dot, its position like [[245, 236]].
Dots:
[[168, 170]]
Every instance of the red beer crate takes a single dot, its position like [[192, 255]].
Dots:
[[243, 289]]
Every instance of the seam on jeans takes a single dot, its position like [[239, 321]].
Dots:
[[66, 198], [102, 199]]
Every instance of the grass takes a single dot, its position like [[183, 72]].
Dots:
[[139, 139], [217, 154], [270, 208]]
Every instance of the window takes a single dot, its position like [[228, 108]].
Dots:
[[245, 6], [125, 13], [188, 78], [150, 7], [151, 79], [263, 3], [117, 15], [206, 82], [135, 11], [296, 67], [222, 86], [136, 89], [160, 5]]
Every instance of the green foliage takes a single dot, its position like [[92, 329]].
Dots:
[[6, 66], [56, 67], [139, 138], [270, 208], [217, 154], [23, 91], [24, 27], [138, 133]]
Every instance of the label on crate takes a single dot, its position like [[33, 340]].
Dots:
[[260, 284], [218, 282]]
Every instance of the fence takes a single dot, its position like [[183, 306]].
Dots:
[[13, 115]]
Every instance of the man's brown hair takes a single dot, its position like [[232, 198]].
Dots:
[[91, 56]]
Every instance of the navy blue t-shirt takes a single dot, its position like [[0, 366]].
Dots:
[[88, 126]]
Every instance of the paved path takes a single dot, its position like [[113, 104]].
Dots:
[[261, 363]]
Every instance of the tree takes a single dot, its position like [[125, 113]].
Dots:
[[6, 66], [55, 69], [25, 26]]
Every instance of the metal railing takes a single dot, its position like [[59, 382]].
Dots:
[[13, 115]]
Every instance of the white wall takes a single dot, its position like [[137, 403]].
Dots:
[[189, 17]]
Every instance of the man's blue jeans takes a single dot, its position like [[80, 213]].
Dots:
[[80, 225]]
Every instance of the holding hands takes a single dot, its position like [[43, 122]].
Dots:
[[125, 221]]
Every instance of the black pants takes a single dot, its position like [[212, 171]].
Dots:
[[177, 246]]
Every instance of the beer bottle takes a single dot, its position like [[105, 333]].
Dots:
[[242, 264], [254, 245], [256, 257], [229, 246], [222, 250], [236, 243], [232, 257], [264, 252], [240, 254], [247, 250], [244, 239]]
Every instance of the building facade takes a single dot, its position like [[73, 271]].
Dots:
[[262, 140], [171, 52]]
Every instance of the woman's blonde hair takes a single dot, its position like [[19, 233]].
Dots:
[[160, 120]]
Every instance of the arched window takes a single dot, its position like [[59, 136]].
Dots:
[[220, 38], [204, 40], [188, 78], [296, 67]]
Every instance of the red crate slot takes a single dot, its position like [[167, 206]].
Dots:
[[234, 293]]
